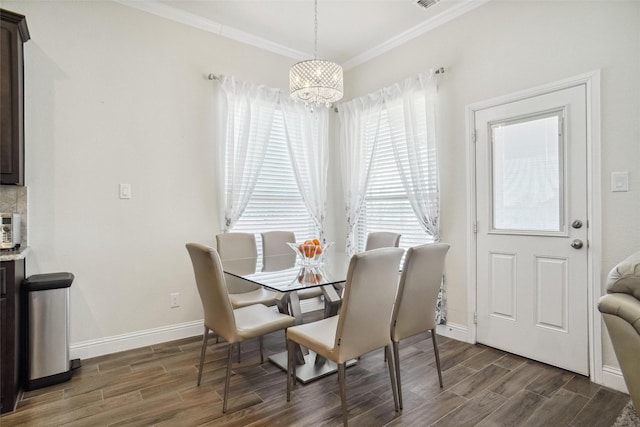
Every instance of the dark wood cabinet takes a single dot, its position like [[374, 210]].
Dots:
[[13, 33], [11, 277]]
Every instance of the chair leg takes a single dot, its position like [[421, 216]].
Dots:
[[396, 361], [343, 392], [227, 379], [435, 351], [291, 368], [205, 339], [261, 348], [387, 352], [238, 352]]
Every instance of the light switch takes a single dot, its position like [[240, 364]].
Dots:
[[125, 191], [619, 181]]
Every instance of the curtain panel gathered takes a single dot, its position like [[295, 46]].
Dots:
[[246, 114], [247, 119], [356, 118], [307, 135], [410, 106]]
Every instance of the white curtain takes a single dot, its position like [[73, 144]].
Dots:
[[411, 106], [411, 110], [307, 135], [247, 117], [356, 151]]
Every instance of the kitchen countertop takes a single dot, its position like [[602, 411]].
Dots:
[[14, 254]]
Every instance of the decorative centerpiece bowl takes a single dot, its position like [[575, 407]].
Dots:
[[310, 252]]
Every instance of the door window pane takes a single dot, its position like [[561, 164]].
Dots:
[[527, 174]]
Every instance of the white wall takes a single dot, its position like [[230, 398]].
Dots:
[[507, 46], [115, 95]]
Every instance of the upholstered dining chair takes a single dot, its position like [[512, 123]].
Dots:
[[382, 239], [362, 324], [242, 292], [415, 308], [275, 243], [234, 325]]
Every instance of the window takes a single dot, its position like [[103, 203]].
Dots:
[[276, 203], [386, 206], [527, 174]]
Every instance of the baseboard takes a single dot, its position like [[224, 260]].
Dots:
[[612, 378], [116, 343], [454, 331]]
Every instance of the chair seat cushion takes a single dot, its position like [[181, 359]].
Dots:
[[256, 320], [625, 277], [259, 296], [319, 335]]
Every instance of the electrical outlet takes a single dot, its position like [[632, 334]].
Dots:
[[175, 300]]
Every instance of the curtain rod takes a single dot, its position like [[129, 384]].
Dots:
[[213, 76], [438, 71]]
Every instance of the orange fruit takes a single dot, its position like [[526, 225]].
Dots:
[[318, 250], [316, 242]]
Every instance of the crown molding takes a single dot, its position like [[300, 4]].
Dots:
[[456, 10], [187, 18]]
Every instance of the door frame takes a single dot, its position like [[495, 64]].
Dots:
[[591, 81]]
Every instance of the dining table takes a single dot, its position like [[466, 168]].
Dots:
[[287, 274]]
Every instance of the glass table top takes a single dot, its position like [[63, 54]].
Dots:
[[284, 273]]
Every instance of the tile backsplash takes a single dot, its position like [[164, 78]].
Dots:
[[13, 199]]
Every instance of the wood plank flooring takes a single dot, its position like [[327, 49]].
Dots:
[[157, 386]]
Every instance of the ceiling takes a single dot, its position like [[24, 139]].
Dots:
[[350, 32]]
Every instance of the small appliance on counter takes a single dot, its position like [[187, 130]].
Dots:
[[10, 231]]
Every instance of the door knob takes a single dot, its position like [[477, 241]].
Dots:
[[576, 224], [577, 244]]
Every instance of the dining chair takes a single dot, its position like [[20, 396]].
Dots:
[[275, 243], [234, 325], [362, 324], [382, 239], [414, 311], [242, 292]]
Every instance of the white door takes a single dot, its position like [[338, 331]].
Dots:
[[531, 196]]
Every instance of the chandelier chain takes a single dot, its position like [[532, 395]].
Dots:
[[315, 24]]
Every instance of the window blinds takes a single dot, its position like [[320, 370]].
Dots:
[[276, 203], [386, 206]]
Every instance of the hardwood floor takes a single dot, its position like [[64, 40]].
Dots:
[[157, 386]]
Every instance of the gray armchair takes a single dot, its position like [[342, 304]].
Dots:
[[620, 310]]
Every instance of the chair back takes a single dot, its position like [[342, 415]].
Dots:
[[382, 239], [236, 245], [367, 302], [275, 242], [415, 306], [207, 268], [239, 246]]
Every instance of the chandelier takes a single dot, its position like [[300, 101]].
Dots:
[[316, 81]]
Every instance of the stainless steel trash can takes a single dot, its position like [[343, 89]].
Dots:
[[47, 332]]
